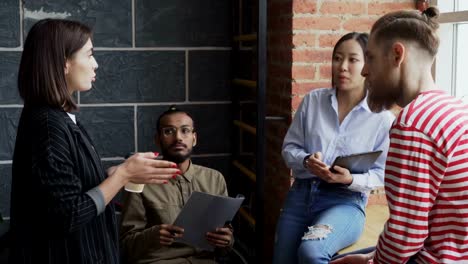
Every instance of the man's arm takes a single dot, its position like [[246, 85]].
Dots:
[[412, 180], [135, 237]]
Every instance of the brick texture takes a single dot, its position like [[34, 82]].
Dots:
[[325, 72], [311, 55], [328, 40], [338, 8], [321, 23], [304, 6], [377, 8], [359, 24], [304, 40]]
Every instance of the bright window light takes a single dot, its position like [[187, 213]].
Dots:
[[452, 59]]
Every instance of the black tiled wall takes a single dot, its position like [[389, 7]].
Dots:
[[111, 19], [182, 23], [208, 81], [151, 54], [9, 118], [5, 184], [9, 62], [110, 128], [9, 23], [138, 76]]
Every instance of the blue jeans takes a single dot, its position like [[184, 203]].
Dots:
[[336, 213]]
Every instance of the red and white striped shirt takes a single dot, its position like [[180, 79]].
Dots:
[[426, 183]]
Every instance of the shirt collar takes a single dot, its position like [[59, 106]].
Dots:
[[73, 117], [190, 173], [362, 104]]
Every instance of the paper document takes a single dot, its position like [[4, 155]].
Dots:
[[203, 213]]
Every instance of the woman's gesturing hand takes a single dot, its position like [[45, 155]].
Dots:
[[143, 168]]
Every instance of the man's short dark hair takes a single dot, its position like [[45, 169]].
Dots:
[[173, 109]]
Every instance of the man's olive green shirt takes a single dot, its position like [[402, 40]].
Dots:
[[160, 204]]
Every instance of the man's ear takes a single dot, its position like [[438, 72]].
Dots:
[[194, 139], [398, 53]]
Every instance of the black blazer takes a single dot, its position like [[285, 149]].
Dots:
[[53, 220]]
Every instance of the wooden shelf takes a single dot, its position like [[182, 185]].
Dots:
[[246, 37], [245, 83], [246, 215], [244, 126], [252, 176]]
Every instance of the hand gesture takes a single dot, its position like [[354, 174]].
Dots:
[[143, 168], [167, 234], [220, 238]]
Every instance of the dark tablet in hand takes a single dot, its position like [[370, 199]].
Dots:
[[357, 163]]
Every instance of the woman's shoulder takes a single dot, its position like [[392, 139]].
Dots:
[[41, 116], [318, 94], [386, 118], [387, 115]]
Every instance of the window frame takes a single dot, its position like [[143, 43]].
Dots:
[[455, 18]]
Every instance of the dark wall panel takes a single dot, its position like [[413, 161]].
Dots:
[[5, 189], [138, 76], [111, 129], [170, 23], [9, 118], [9, 23], [209, 76], [111, 20], [9, 64]]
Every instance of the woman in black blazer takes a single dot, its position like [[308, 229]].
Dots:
[[60, 210]]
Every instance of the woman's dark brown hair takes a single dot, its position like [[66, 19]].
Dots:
[[41, 77]]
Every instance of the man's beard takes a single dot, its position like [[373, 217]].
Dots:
[[177, 157], [383, 101]]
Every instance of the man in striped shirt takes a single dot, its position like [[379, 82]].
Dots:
[[426, 177]]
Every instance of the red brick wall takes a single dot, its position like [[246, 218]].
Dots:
[[301, 36]]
